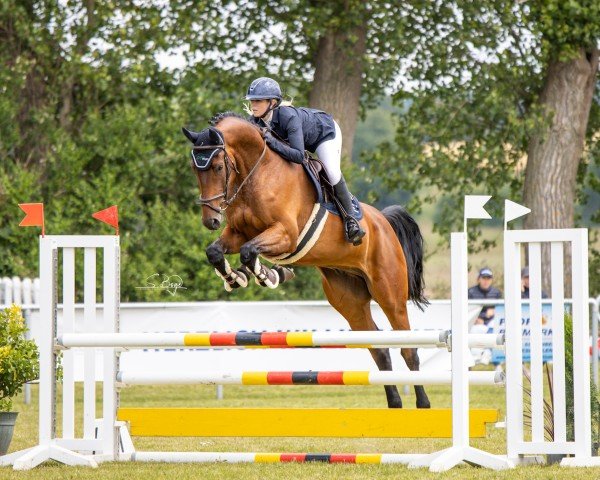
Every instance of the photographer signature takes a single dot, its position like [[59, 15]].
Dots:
[[170, 283]]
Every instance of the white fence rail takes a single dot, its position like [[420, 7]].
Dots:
[[20, 291]]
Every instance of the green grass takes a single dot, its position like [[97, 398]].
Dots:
[[284, 396]]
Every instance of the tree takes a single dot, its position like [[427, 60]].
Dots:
[[502, 101], [89, 117], [337, 55], [571, 76], [339, 61]]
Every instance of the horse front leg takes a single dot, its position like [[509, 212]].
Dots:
[[272, 242], [228, 242]]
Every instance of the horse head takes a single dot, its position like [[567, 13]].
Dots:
[[221, 160]]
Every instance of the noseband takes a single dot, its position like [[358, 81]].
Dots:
[[229, 166]]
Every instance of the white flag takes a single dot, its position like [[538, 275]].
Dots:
[[474, 206], [513, 210]]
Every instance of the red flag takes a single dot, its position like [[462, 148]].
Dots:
[[34, 215], [109, 215]]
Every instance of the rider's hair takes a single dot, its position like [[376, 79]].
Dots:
[[283, 103]]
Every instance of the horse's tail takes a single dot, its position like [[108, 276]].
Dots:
[[410, 238]]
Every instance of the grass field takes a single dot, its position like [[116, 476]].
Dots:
[[284, 396]]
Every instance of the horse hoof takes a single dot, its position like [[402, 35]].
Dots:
[[268, 282], [285, 274], [240, 279], [267, 278]]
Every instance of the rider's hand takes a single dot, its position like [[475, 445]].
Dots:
[[269, 139]]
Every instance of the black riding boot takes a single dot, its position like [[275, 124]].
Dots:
[[354, 233]]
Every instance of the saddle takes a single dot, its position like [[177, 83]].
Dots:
[[325, 196], [316, 172]]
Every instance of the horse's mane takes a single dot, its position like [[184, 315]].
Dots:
[[220, 116]]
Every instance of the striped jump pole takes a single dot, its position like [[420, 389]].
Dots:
[[307, 378], [348, 339], [240, 457]]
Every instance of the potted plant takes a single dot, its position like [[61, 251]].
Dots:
[[19, 364]]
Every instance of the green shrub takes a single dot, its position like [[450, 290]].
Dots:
[[19, 358]]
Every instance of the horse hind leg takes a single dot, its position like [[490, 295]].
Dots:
[[382, 358], [411, 357], [384, 291], [349, 295]]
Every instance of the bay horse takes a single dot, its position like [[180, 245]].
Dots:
[[267, 201]]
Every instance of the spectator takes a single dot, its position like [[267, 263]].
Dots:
[[525, 284], [482, 290], [486, 315], [484, 322]]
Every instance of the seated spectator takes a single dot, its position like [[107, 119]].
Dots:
[[483, 324], [484, 289], [486, 315], [525, 284]]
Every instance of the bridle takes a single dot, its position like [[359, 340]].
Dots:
[[229, 166]]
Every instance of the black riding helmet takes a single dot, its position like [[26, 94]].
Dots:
[[264, 88]]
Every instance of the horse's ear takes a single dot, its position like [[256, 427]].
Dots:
[[191, 136], [215, 137]]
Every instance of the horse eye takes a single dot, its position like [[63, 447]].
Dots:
[[219, 168]]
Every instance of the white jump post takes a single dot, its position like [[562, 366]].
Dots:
[[67, 449], [518, 445], [461, 451]]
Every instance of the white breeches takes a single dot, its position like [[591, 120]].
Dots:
[[330, 153]]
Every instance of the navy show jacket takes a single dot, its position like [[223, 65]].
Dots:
[[303, 128]]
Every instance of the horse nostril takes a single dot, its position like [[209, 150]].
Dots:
[[215, 223]]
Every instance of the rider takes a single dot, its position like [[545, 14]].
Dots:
[[303, 129]]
